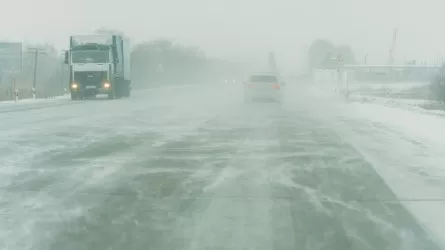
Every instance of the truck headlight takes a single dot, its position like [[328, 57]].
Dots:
[[74, 85], [107, 85]]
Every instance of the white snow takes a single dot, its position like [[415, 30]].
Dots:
[[33, 101], [31, 137], [404, 144], [414, 167]]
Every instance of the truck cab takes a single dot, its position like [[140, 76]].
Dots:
[[99, 64]]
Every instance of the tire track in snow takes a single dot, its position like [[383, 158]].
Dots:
[[331, 203], [146, 165], [83, 183]]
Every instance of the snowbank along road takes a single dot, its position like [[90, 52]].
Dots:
[[194, 168]]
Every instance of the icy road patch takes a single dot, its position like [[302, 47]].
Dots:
[[405, 147], [196, 169]]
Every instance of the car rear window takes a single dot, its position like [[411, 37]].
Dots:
[[264, 78]]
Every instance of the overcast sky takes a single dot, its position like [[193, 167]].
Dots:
[[241, 29]]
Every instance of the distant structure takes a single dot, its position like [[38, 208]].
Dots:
[[10, 60], [393, 47], [272, 64]]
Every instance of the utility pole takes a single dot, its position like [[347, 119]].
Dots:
[[14, 86], [393, 47], [62, 80], [36, 52], [272, 62]]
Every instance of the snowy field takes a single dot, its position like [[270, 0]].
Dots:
[[193, 167], [415, 96]]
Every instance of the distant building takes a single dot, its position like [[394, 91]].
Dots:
[[10, 59], [272, 63]]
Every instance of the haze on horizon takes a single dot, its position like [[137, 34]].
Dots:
[[243, 30]]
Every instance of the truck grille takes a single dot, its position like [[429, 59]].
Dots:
[[88, 78]]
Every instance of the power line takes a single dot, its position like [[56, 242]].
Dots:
[[62, 80], [393, 47], [36, 52]]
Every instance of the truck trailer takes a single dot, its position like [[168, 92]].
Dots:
[[99, 64]]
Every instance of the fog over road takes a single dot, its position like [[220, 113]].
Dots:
[[192, 167]]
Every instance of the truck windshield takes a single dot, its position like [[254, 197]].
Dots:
[[90, 56]]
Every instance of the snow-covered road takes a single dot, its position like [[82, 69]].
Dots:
[[194, 168]]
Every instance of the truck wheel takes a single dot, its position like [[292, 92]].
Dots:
[[127, 91], [114, 92], [74, 96], [119, 92]]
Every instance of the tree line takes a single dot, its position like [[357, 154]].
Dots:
[[161, 61], [322, 52], [168, 62]]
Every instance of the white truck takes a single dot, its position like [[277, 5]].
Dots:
[[99, 64]]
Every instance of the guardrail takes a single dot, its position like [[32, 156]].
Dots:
[[343, 82], [9, 94], [335, 79], [388, 66]]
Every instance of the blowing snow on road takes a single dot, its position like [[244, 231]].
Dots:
[[193, 167]]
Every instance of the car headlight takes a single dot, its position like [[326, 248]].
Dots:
[[74, 85], [107, 85]]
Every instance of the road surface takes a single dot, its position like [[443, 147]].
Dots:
[[191, 168]]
